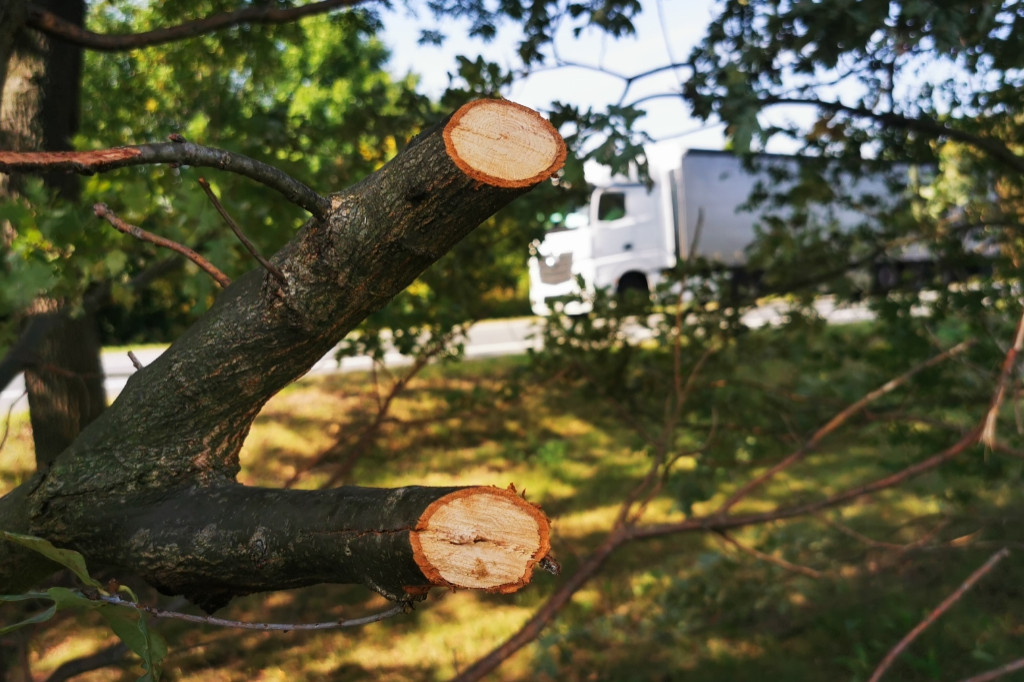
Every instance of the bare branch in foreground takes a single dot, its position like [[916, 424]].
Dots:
[[996, 673], [244, 625], [768, 558], [838, 421], [175, 152], [249, 246], [623, 534], [937, 612], [988, 435], [103, 211], [49, 23]]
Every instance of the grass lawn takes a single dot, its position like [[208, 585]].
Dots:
[[687, 607]]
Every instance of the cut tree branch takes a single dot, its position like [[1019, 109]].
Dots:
[[103, 211], [49, 23], [177, 152], [151, 484]]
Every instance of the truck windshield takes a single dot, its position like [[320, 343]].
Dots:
[[571, 221], [611, 206]]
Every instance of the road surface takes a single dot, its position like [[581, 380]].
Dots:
[[486, 339]]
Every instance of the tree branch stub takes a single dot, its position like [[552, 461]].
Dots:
[[481, 538]]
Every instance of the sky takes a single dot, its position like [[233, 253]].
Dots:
[[667, 30]]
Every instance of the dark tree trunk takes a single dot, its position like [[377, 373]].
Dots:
[[40, 111]]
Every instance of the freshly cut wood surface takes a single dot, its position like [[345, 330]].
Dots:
[[503, 143], [481, 538]]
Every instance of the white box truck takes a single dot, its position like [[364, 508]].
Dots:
[[627, 236]]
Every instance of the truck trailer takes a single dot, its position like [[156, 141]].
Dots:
[[628, 235]]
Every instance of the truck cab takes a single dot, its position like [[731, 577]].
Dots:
[[618, 240]]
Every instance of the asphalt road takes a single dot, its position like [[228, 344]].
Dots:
[[486, 339]]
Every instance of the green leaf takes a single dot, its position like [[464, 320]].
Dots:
[[64, 598], [130, 625], [65, 557], [37, 618]]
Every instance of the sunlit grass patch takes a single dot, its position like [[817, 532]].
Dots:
[[682, 606]]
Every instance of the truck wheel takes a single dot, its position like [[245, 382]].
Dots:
[[633, 290]]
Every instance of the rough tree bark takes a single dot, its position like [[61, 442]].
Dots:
[[150, 485], [39, 110]]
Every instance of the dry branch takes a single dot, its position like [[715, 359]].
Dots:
[[988, 435], [103, 211], [249, 246], [175, 152]]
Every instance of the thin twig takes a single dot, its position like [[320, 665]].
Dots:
[[937, 612], [103, 211], [135, 361], [225, 623], [249, 246], [7, 421], [871, 542], [838, 421], [716, 521], [1010, 667], [178, 151], [988, 434], [47, 22], [762, 556]]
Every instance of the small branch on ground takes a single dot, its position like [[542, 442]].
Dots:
[[177, 151], [103, 211], [249, 246], [937, 612], [244, 625]]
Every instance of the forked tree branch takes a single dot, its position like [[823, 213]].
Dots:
[[49, 23], [151, 486], [178, 152], [249, 246], [103, 211], [621, 535]]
